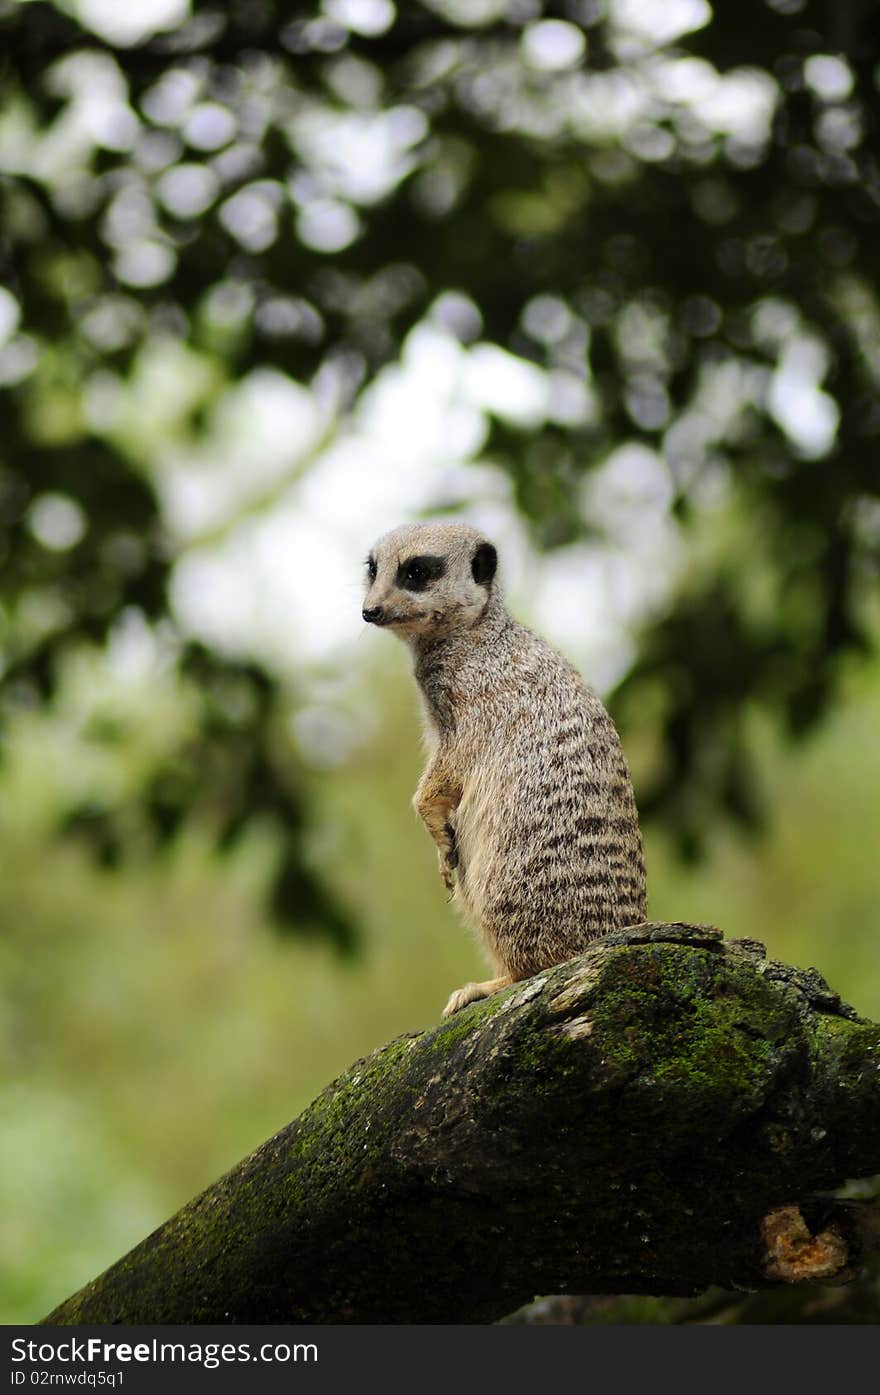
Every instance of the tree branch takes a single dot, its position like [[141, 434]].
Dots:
[[656, 1116]]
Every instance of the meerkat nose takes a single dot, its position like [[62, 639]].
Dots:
[[375, 616]]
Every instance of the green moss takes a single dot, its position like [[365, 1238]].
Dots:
[[466, 1021]]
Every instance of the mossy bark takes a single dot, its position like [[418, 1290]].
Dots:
[[623, 1123]]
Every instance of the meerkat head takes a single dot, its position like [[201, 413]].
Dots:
[[427, 579]]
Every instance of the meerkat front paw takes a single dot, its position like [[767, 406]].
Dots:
[[447, 858], [447, 872], [472, 992]]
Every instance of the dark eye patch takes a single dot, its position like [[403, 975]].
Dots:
[[371, 567], [416, 573]]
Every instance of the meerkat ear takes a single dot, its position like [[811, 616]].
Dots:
[[483, 564]]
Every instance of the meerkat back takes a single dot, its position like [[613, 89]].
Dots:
[[547, 829], [526, 792]]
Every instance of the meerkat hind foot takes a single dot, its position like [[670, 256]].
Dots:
[[472, 992]]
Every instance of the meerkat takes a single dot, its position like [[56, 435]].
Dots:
[[526, 792]]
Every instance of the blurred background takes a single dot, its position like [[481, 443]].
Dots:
[[600, 277]]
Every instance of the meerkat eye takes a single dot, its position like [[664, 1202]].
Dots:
[[371, 568], [419, 572]]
